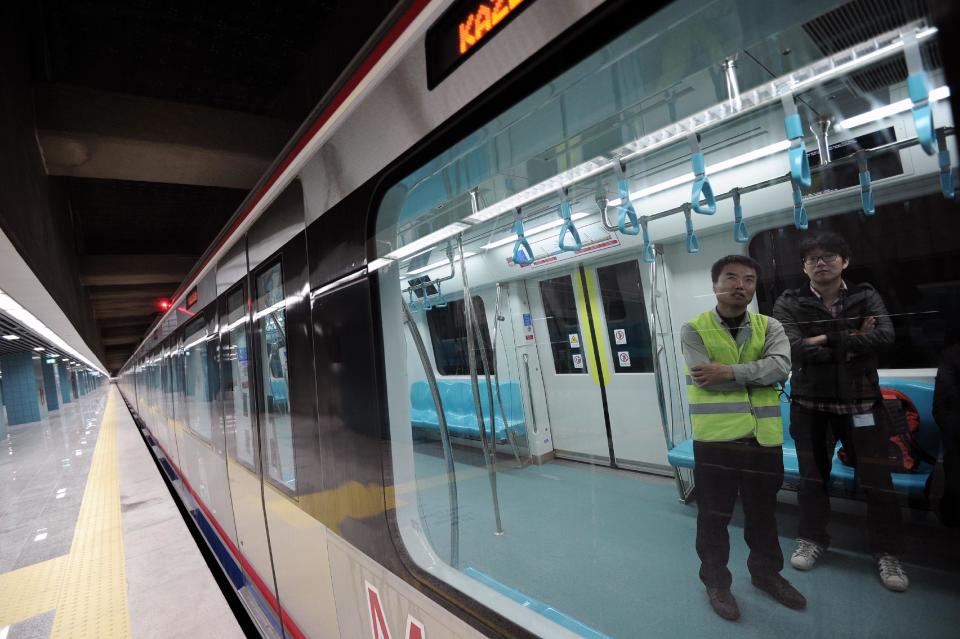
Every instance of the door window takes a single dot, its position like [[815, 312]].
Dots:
[[235, 364], [622, 295], [448, 332], [566, 339]]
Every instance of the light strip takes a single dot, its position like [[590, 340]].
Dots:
[[436, 265], [25, 317], [940, 93], [427, 241], [533, 231]]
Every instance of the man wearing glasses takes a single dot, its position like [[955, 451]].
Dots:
[[836, 331]]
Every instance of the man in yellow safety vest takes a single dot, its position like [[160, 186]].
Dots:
[[734, 360]]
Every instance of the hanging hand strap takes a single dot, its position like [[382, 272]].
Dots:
[[799, 212], [701, 184], [693, 244], [522, 253], [568, 227], [740, 233], [797, 154], [648, 255], [918, 92], [627, 214], [866, 188], [946, 173]]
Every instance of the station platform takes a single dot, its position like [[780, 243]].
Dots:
[[91, 542]]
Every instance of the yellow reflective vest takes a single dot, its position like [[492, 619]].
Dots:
[[719, 416]]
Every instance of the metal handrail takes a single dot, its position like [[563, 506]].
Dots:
[[497, 318]]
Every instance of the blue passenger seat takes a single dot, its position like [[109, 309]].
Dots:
[[842, 477], [458, 407]]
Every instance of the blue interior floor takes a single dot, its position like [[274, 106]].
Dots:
[[615, 551]]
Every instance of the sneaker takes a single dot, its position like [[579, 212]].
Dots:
[[806, 554], [891, 573], [723, 603], [781, 590]]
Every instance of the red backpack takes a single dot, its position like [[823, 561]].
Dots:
[[904, 418]]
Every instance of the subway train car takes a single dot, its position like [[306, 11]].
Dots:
[[428, 382]]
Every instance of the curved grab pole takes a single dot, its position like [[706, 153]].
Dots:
[[649, 252], [444, 435], [946, 172], [866, 187], [568, 226], [919, 92], [796, 154], [522, 253], [740, 233], [627, 212], [701, 183], [693, 244]]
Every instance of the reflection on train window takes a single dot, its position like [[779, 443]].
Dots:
[[449, 336], [566, 340], [909, 251], [237, 389], [197, 397], [626, 315], [275, 412]]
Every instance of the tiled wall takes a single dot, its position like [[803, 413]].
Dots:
[[50, 384], [20, 388]]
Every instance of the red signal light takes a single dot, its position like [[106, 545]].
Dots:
[[164, 305]]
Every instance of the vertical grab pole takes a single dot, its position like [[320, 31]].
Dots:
[[496, 379], [444, 436], [489, 461]]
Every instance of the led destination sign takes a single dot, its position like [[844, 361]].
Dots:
[[462, 30]]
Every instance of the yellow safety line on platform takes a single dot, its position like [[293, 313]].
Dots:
[[92, 601], [30, 591]]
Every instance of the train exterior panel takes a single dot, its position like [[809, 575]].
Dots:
[[429, 380]]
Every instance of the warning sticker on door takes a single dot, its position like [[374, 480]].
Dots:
[[574, 340], [577, 360], [620, 335], [528, 326], [624, 357]]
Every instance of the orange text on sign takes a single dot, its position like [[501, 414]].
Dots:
[[483, 20]]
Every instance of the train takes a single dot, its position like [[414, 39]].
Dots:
[[428, 379]]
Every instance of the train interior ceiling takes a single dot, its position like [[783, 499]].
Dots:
[[541, 441]]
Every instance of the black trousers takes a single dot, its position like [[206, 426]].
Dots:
[[816, 434], [755, 472]]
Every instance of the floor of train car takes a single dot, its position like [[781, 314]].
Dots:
[[615, 550]]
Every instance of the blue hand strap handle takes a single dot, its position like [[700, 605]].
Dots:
[[799, 213], [740, 233], [866, 188], [701, 184], [522, 253], [918, 92], [627, 214], [946, 173], [648, 255], [693, 244], [568, 227], [797, 154]]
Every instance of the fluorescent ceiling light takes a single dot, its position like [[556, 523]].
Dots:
[[38, 348], [940, 93], [427, 241], [11, 338], [435, 265], [552, 224]]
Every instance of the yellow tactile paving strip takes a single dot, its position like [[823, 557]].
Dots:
[[88, 586]]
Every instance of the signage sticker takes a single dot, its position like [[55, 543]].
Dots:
[[528, 327], [624, 357], [574, 340], [620, 336], [577, 360]]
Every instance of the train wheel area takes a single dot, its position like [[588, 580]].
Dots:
[[91, 541]]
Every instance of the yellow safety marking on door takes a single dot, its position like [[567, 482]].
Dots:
[[30, 591], [594, 298], [92, 600]]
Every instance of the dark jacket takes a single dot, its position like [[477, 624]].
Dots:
[[845, 369], [946, 393]]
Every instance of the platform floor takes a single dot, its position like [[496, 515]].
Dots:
[[91, 542]]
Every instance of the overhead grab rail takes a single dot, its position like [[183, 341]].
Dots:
[[946, 172], [701, 183], [866, 187], [427, 301], [919, 92]]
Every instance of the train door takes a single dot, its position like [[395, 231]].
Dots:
[[598, 371], [244, 467]]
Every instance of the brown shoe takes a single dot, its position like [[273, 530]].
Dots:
[[723, 603], [781, 590]]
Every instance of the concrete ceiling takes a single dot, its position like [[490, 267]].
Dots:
[[156, 118]]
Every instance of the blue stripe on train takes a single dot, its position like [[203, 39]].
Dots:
[[233, 570]]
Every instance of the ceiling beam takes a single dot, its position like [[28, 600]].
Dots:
[[91, 134], [118, 270]]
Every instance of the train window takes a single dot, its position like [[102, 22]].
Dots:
[[721, 256], [909, 252], [197, 397], [275, 419], [448, 333], [237, 389], [566, 339], [621, 291]]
